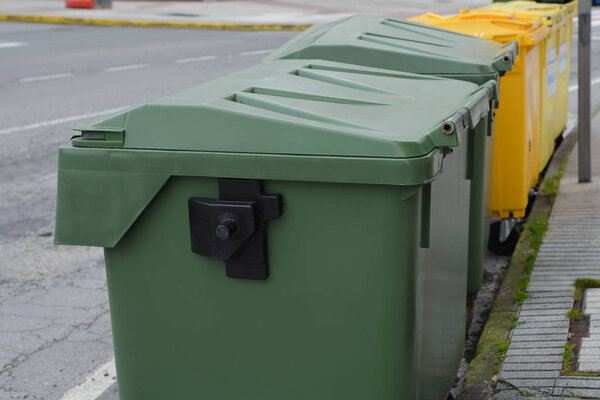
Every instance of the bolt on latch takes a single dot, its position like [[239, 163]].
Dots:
[[232, 227]]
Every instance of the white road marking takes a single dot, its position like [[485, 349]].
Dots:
[[573, 88], [255, 52], [45, 77], [126, 67], [593, 38], [7, 45], [95, 384], [594, 21], [194, 59], [59, 121]]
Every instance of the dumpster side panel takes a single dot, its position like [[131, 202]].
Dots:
[[335, 319], [477, 215], [533, 110], [548, 97], [443, 279], [516, 137], [87, 216], [489, 161], [564, 61]]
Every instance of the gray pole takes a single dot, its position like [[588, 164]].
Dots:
[[584, 107]]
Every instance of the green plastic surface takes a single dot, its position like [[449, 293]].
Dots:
[[366, 263], [381, 42], [293, 120], [102, 191], [341, 315], [398, 45], [301, 108], [337, 317]]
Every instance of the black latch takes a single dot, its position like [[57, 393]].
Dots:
[[231, 228]]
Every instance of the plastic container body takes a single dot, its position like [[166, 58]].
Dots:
[[554, 79], [517, 125], [365, 259], [380, 42]]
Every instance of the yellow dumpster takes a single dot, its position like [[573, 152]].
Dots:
[[565, 67], [515, 167], [555, 53]]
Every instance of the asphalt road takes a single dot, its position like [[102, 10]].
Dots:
[[54, 321]]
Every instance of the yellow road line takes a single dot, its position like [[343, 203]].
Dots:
[[49, 19]]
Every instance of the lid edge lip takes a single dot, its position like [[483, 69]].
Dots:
[[169, 152], [334, 169]]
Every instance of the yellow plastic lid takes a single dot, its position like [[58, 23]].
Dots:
[[550, 14], [502, 27]]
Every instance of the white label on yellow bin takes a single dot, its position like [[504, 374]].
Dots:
[[552, 70], [562, 57]]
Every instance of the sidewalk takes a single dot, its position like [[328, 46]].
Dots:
[[245, 14], [570, 250]]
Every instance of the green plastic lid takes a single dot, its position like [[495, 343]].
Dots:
[[315, 121], [302, 108], [381, 42]]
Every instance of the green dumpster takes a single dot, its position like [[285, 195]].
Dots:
[[381, 42], [274, 234]]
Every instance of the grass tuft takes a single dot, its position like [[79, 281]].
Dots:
[[501, 349], [521, 296], [584, 283], [537, 230], [573, 315], [568, 358], [552, 184]]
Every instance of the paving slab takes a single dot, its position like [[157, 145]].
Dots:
[[532, 366], [538, 345], [557, 330], [577, 393], [552, 351], [578, 381], [532, 359], [537, 374]]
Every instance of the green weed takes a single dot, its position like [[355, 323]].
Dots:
[[573, 315]]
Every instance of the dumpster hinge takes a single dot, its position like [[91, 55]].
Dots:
[[232, 227]]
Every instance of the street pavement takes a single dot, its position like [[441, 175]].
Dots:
[[54, 318], [240, 11], [570, 248]]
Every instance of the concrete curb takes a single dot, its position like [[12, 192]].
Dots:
[[481, 376], [49, 19]]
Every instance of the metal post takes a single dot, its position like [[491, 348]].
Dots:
[[584, 107]]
